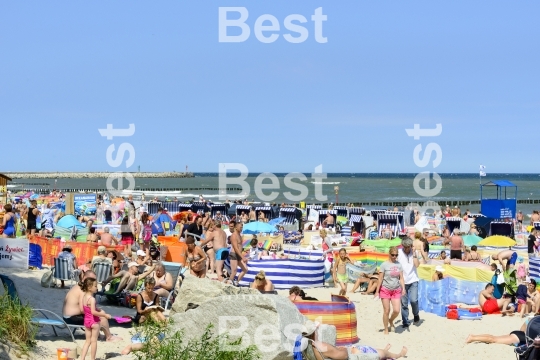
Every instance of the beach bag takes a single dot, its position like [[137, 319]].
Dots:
[[47, 280], [147, 232], [499, 288]]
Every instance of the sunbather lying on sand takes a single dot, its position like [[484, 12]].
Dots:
[[515, 338]]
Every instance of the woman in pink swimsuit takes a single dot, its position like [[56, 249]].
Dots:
[[87, 303]]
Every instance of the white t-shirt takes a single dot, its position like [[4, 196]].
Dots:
[[407, 263]]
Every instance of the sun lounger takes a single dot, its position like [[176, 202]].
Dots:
[[9, 285], [174, 269]]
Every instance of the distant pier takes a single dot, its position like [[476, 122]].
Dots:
[[94, 175]]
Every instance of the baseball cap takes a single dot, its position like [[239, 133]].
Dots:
[[140, 253], [133, 263]]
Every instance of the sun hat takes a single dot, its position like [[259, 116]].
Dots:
[[439, 268], [141, 253]]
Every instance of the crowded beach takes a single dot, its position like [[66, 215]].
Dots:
[[389, 278]]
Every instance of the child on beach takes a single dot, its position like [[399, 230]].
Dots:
[[340, 271], [521, 271], [92, 314]]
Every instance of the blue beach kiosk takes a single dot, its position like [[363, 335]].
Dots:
[[502, 206]]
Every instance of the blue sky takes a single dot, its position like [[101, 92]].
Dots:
[[69, 68]]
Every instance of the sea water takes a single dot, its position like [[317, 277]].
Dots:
[[353, 187]]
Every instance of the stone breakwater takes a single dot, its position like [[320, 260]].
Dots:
[[94, 175]]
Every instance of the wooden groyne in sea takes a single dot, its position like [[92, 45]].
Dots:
[[94, 175]]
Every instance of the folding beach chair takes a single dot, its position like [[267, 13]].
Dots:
[[174, 269], [63, 270], [103, 270], [9, 286]]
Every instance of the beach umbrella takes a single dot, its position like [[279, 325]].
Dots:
[[497, 241], [257, 227], [470, 240]]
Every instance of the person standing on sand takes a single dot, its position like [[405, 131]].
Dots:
[[390, 287], [409, 260], [236, 254], [456, 245], [219, 237]]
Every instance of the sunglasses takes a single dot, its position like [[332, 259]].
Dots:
[[393, 255]]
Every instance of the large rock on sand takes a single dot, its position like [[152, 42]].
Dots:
[[271, 322], [196, 291]]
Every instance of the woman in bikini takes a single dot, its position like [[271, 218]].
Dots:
[[474, 255], [340, 271], [196, 258], [147, 302]]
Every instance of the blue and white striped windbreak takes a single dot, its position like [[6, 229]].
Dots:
[[534, 268], [285, 274]]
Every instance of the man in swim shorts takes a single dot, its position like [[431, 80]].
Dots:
[[489, 304], [508, 255], [220, 246]]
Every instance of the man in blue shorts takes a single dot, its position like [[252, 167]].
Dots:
[[510, 256]]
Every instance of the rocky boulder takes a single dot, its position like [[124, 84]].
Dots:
[[196, 291], [271, 322]]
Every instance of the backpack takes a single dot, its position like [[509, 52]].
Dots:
[[147, 232]]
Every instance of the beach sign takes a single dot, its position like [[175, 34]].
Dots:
[[14, 253]]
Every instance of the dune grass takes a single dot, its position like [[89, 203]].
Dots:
[[15, 323]]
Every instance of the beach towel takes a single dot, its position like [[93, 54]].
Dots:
[[267, 245]]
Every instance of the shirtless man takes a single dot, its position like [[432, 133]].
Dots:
[[72, 314], [456, 245], [129, 278], [490, 304], [236, 254], [252, 215], [329, 221], [535, 217], [387, 232], [107, 239], [219, 237], [519, 217], [509, 255]]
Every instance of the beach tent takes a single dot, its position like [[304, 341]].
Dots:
[[501, 227], [68, 221], [242, 208], [289, 213], [172, 207], [323, 213], [341, 211], [357, 223], [384, 219], [267, 211], [375, 213]]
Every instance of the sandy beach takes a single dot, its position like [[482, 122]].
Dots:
[[435, 337]]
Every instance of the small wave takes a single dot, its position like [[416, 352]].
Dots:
[[325, 183]]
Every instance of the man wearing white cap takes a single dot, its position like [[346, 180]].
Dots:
[[129, 277]]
